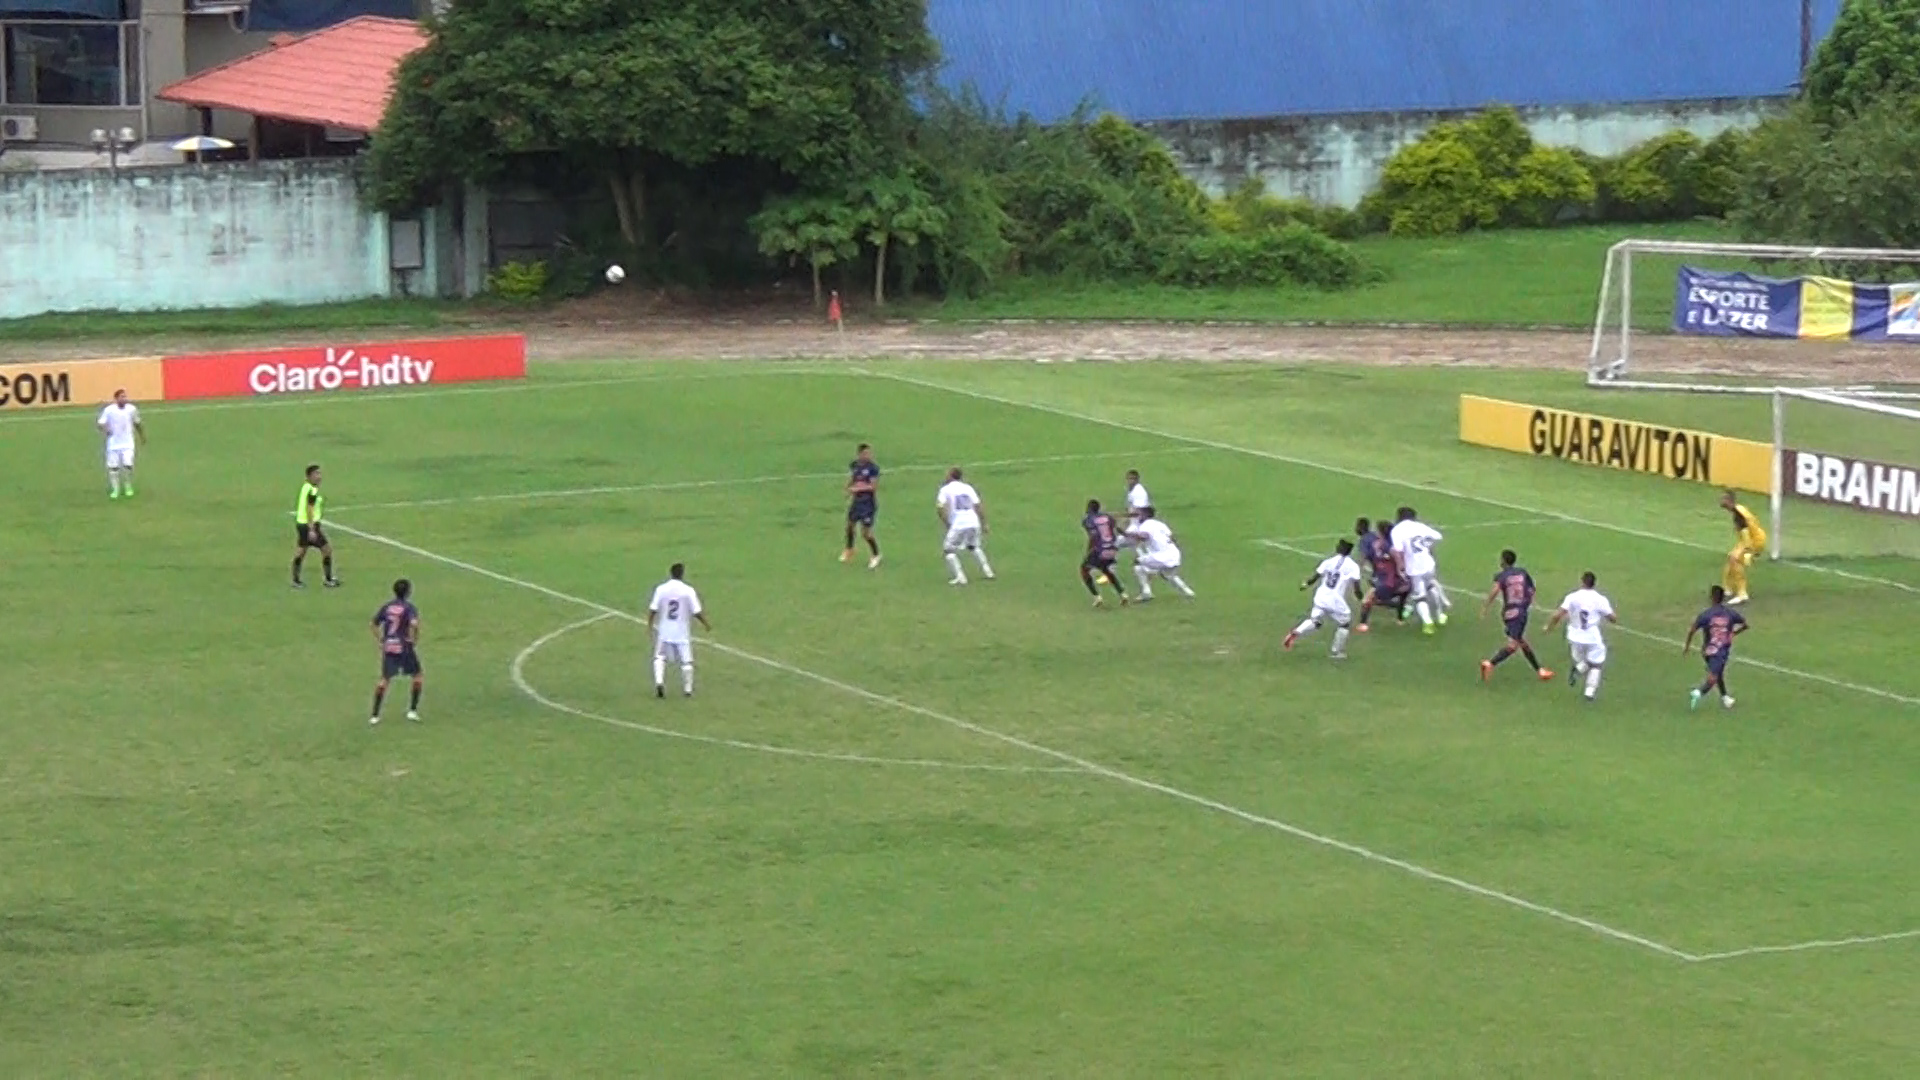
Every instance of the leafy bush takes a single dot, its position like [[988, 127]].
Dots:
[[1435, 187], [1549, 186], [1249, 209], [1290, 254], [1714, 175], [1654, 180], [520, 282], [1846, 185]]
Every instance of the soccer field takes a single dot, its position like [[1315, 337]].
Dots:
[[913, 830]]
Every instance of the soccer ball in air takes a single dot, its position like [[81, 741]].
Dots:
[[615, 275]]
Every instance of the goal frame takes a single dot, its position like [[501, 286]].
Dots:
[[1613, 315], [1777, 498]]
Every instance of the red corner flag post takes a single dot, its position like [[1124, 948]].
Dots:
[[833, 309]]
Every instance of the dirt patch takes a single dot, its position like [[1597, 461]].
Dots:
[[645, 327]]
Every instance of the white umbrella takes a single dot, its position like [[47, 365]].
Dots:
[[199, 144]]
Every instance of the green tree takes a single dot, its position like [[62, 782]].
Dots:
[[894, 210], [622, 88], [820, 230], [1872, 53]]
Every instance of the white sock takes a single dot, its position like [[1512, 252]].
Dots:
[[1425, 612], [1440, 597], [1306, 627], [1179, 584], [986, 568], [113, 479], [659, 671], [1340, 640], [953, 563], [1593, 681], [686, 677], [1145, 579], [1580, 667]]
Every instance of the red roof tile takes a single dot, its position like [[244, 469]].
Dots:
[[339, 77]]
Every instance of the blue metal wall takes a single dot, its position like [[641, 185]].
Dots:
[[1226, 59]]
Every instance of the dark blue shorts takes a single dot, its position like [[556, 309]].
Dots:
[[1517, 628], [1101, 561], [862, 512], [400, 663], [1716, 662], [1385, 596]]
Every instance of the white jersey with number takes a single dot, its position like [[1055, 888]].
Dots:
[[1586, 609], [118, 421], [1414, 542], [1333, 579], [1157, 549], [961, 503], [674, 605], [1138, 499]]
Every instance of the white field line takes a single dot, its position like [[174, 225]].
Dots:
[[751, 481], [1743, 660], [1355, 474], [1808, 946], [518, 386], [517, 672], [1335, 534], [1066, 758]]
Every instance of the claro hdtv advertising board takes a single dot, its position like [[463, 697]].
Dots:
[[1606, 442], [345, 368]]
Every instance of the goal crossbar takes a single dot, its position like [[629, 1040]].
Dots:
[[1611, 369]]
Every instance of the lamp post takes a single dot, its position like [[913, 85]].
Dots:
[[114, 143]]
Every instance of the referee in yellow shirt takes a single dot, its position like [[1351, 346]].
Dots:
[[1750, 541], [308, 512]]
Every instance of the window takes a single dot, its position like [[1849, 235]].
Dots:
[[71, 63]]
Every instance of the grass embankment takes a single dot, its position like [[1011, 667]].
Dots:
[[1513, 278]]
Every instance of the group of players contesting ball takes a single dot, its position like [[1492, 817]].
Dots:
[[1399, 556]]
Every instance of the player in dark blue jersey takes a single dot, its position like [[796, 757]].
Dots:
[[1390, 587], [1721, 624], [1103, 548], [1513, 594], [863, 505], [396, 626]]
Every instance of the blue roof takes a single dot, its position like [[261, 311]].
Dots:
[[1228, 59]]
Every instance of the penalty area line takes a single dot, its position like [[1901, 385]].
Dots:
[[754, 481], [1127, 779], [1353, 474], [1748, 661]]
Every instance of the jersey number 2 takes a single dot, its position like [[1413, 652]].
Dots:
[[673, 609]]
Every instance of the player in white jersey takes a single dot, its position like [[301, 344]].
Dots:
[[120, 423], [1332, 580], [1413, 542], [671, 615], [966, 520], [1585, 611], [1158, 554], [1137, 498]]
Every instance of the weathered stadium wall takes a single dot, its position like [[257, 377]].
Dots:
[[1313, 95]]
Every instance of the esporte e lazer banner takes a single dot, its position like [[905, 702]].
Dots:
[[1734, 304]]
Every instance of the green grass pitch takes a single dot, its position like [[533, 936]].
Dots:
[[913, 830]]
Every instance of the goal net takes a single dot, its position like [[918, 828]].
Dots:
[[1830, 335]]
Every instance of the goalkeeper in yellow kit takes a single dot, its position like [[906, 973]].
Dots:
[[1749, 543]]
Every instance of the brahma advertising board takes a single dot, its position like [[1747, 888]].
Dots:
[[345, 368], [1872, 486]]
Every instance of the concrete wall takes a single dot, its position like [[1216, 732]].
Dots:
[[1335, 160], [188, 237]]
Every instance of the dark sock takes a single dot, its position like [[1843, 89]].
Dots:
[[1501, 657], [849, 538], [1724, 692], [379, 696], [414, 704], [326, 566], [1531, 659], [1086, 578], [873, 544], [297, 560]]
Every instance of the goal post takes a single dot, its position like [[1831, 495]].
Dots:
[[1846, 479], [1638, 282]]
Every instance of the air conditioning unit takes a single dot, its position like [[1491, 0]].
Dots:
[[218, 7], [19, 128]]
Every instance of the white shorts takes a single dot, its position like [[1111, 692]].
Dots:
[[674, 652], [1164, 565], [964, 539], [1590, 655], [120, 457], [1339, 614], [1424, 585]]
